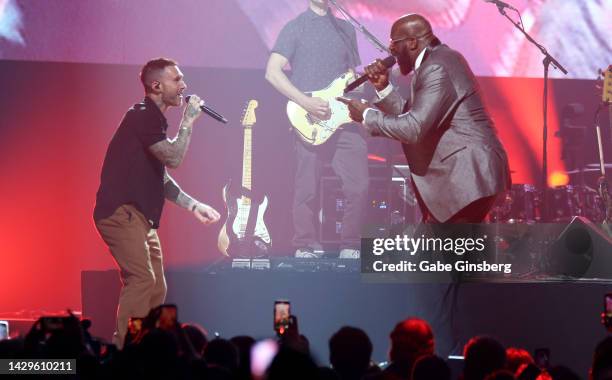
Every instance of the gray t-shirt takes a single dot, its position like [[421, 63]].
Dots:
[[319, 49]]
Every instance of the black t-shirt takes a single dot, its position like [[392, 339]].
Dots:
[[130, 173]]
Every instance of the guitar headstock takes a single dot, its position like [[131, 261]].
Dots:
[[248, 116]]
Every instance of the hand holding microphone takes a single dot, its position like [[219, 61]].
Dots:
[[192, 111], [376, 72], [194, 101]]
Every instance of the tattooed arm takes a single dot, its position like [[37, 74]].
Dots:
[[203, 212], [172, 152], [175, 194]]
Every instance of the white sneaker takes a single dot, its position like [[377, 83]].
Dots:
[[305, 253], [349, 254]]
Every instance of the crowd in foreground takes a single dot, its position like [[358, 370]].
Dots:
[[159, 347]]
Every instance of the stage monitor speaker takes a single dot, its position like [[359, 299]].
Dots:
[[385, 205], [391, 201], [582, 250]]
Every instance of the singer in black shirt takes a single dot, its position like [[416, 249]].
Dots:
[[134, 183]]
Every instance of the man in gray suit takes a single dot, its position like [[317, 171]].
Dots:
[[458, 164]]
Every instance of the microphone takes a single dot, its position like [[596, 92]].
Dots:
[[211, 112], [388, 62], [500, 4]]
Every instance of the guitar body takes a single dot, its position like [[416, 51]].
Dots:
[[312, 130], [244, 232]]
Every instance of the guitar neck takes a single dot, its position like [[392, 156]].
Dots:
[[607, 93], [246, 158]]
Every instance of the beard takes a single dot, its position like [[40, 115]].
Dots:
[[405, 67], [174, 101]]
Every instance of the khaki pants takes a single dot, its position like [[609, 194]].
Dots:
[[136, 249]]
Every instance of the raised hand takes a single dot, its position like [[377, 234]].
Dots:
[[193, 111]]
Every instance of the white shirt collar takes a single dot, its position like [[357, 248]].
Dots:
[[419, 59]]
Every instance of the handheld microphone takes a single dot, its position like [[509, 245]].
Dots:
[[211, 112], [500, 4], [388, 62]]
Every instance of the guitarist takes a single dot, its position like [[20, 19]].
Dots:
[[320, 47]]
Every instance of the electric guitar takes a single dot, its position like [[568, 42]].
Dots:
[[604, 191], [244, 232], [312, 130]]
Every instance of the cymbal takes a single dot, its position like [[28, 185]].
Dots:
[[607, 166], [587, 170]]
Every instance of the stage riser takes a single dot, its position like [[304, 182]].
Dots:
[[240, 302]]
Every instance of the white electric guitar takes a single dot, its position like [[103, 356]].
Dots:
[[312, 130], [244, 232]]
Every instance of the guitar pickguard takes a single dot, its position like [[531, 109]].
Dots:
[[242, 217], [312, 130]]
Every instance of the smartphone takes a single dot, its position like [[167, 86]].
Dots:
[[607, 313], [168, 318], [135, 326], [541, 357], [134, 331], [4, 330], [282, 311]]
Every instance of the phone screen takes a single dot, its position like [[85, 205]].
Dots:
[[282, 311], [4, 330], [167, 317], [134, 326]]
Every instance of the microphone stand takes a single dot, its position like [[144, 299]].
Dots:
[[358, 26], [548, 59], [374, 42]]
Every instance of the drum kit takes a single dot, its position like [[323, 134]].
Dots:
[[523, 233], [527, 221], [523, 204]]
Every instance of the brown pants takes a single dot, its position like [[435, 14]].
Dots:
[[136, 249]]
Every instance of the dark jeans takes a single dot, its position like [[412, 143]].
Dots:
[[474, 213], [347, 152]]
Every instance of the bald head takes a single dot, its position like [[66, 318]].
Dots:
[[412, 25], [410, 34]]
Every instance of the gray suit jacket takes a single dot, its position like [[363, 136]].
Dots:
[[447, 135]]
